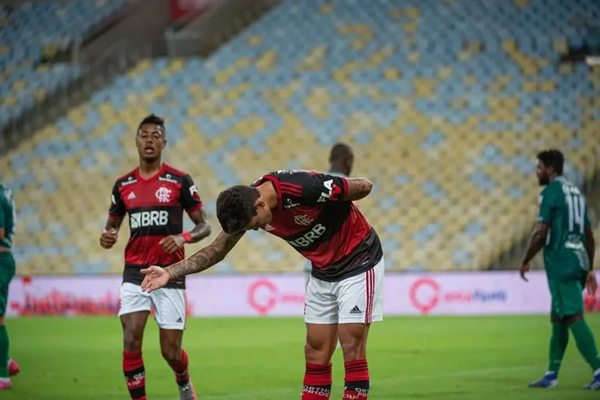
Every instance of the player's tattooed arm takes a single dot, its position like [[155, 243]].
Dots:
[[205, 257], [358, 188]]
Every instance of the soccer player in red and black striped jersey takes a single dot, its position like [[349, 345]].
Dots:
[[155, 196], [314, 213]]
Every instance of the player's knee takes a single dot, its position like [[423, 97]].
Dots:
[[316, 355], [172, 354], [132, 341], [353, 348]]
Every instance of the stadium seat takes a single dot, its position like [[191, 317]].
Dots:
[[32, 34], [445, 118]]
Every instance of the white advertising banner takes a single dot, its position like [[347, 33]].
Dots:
[[459, 293]]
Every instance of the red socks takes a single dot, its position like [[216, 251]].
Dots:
[[356, 380], [317, 382], [182, 376], [133, 368]]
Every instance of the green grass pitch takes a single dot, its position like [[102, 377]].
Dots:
[[262, 359]]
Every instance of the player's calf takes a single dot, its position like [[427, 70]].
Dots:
[[317, 382], [356, 382], [135, 375]]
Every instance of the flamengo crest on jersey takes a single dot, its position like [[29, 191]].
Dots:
[[163, 194]]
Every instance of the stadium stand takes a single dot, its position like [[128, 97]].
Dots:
[[31, 36], [445, 117]]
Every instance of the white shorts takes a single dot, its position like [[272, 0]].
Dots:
[[169, 304], [358, 299]]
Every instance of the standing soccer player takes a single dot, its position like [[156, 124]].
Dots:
[[341, 159], [155, 195], [314, 213], [7, 272], [563, 230]]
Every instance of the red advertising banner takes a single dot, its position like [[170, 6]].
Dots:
[[458, 293]]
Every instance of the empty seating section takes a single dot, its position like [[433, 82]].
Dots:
[[31, 35], [445, 102]]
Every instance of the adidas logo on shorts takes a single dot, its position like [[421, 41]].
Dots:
[[355, 310]]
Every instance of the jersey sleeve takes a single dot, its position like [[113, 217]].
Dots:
[[547, 206], [322, 188], [117, 207], [190, 198]]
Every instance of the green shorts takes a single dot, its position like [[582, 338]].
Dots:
[[7, 271], [567, 297]]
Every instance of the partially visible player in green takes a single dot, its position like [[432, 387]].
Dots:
[[563, 229], [7, 271]]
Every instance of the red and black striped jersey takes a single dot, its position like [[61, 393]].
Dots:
[[312, 217], [155, 207]]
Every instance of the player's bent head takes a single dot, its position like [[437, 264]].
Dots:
[[552, 158], [236, 206], [153, 119]]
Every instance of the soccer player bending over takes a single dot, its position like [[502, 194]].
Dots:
[[563, 230], [314, 213], [155, 195]]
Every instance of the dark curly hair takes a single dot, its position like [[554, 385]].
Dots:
[[155, 120], [235, 207], [552, 158]]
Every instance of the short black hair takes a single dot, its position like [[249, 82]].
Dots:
[[552, 158], [155, 120], [235, 207], [339, 150]]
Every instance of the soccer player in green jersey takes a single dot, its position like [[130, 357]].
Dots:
[[7, 271], [563, 230]]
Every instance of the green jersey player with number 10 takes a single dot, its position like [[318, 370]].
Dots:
[[563, 229]]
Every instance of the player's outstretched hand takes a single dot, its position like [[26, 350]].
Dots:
[[591, 284], [156, 277], [524, 270], [172, 243], [108, 238]]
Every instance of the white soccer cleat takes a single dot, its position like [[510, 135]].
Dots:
[[595, 384], [187, 392]]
